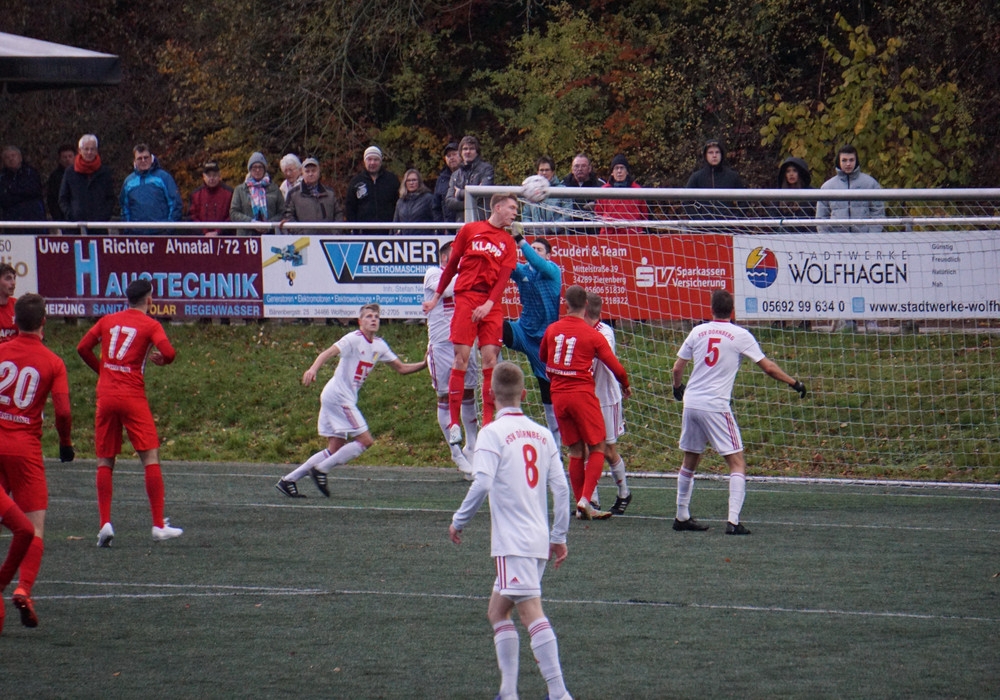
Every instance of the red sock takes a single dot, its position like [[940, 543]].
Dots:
[[456, 389], [104, 491], [24, 532], [30, 565], [595, 465], [576, 477], [489, 403], [155, 492]]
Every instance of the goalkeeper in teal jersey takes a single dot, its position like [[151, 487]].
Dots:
[[539, 282]]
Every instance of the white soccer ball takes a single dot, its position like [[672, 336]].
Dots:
[[535, 188]]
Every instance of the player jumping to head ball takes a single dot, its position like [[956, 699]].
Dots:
[[483, 256], [715, 349]]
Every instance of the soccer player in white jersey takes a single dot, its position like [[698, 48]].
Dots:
[[609, 394], [441, 357], [340, 421], [516, 460], [715, 349]]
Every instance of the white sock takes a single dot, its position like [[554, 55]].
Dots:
[[685, 484], [618, 474], [507, 644], [552, 424], [444, 418], [470, 420], [458, 457], [737, 492], [304, 468], [546, 650], [342, 456]]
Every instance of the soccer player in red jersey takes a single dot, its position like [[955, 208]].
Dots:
[[568, 349], [126, 339], [8, 282], [483, 256], [29, 372]]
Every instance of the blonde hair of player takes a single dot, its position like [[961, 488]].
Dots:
[[508, 385]]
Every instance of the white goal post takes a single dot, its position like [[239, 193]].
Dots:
[[891, 321]]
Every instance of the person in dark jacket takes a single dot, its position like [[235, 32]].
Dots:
[[473, 171], [211, 202], [149, 193], [415, 204], [311, 200], [715, 174], [452, 159], [793, 174], [372, 194], [21, 194], [87, 192], [67, 152]]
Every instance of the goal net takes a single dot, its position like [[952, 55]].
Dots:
[[888, 311]]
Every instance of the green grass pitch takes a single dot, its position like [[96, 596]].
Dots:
[[841, 591]]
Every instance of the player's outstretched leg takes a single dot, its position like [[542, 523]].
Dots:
[[456, 390]]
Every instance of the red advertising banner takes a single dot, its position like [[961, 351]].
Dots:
[[192, 276], [643, 276]]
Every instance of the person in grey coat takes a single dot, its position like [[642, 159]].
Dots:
[[473, 171], [850, 177], [257, 199], [311, 200]]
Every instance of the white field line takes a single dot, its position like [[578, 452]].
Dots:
[[160, 591]]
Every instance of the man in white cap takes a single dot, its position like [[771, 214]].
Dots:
[[372, 193]]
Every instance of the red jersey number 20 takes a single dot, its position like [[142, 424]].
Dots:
[[24, 383]]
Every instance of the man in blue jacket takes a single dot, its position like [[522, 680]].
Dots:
[[149, 193]]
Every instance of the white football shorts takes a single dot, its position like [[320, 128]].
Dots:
[[519, 578], [614, 422], [700, 428], [440, 358], [343, 421]]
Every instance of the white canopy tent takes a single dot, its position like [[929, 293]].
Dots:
[[32, 64]]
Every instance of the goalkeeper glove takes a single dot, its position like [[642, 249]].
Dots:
[[517, 231], [679, 392], [800, 387], [66, 453]]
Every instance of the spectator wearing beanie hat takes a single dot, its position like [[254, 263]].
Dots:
[[258, 198], [452, 159], [621, 209], [372, 193]]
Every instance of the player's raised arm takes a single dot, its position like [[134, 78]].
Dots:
[[772, 370], [309, 376]]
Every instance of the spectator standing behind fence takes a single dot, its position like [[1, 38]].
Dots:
[[21, 194], [552, 209], [67, 152], [452, 159], [621, 209], [211, 201], [258, 199], [311, 200], [850, 177], [714, 174], [582, 175], [87, 192], [473, 171], [149, 193], [793, 174], [291, 168], [372, 193], [415, 204]]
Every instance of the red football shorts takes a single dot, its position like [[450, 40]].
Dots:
[[579, 416], [129, 412], [23, 476], [489, 331]]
